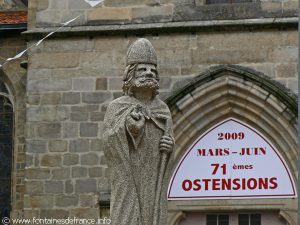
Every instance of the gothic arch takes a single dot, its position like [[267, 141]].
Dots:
[[6, 148], [14, 79], [4, 80], [242, 93]]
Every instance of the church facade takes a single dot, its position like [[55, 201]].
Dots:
[[218, 62]]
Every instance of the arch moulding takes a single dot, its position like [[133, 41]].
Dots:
[[251, 97], [15, 78]]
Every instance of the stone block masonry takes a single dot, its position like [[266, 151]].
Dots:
[[69, 87], [54, 12]]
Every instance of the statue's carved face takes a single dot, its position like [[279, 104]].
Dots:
[[146, 76]]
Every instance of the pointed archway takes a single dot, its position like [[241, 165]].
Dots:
[[231, 91], [6, 149]]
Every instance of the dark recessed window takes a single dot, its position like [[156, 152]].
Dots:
[[6, 130], [209, 2], [249, 219], [217, 219], [25, 2]]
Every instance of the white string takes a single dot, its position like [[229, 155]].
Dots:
[[92, 3]]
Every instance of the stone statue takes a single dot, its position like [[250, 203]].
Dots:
[[139, 141]]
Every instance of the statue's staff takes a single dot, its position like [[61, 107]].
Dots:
[[161, 173]]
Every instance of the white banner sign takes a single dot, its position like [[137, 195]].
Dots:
[[231, 160], [93, 2]]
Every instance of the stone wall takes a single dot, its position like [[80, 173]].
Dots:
[[45, 13], [71, 80], [75, 74]]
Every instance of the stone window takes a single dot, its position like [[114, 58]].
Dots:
[[217, 219], [249, 219], [6, 130]]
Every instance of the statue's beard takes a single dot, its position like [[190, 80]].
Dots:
[[146, 83]]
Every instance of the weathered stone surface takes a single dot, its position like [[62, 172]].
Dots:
[[49, 130], [290, 8], [80, 145], [85, 108], [49, 85], [42, 202], [35, 187], [71, 98], [91, 158], [79, 116], [86, 200], [286, 70], [58, 146], [66, 201], [86, 186], [54, 213], [101, 84], [286, 54], [58, 4], [61, 174], [115, 83], [127, 3], [88, 129], [70, 45], [265, 68], [292, 85], [96, 116], [84, 84], [217, 12], [103, 43], [221, 56], [162, 13], [51, 99], [69, 187], [95, 97], [51, 160], [165, 82], [85, 213], [97, 145], [36, 146], [96, 172], [55, 60], [178, 57], [70, 159], [33, 99], [54, 187], [271, 7], [92, 59], [29, 160], [109, 14], [42, 5], [70, 130], [79, 172], [37, 173], [47, 113]]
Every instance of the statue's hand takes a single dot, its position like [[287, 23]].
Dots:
[[135, 120], [166, 144]]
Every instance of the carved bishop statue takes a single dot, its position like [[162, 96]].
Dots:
[[139, 142]]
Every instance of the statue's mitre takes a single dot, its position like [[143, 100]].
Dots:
[[141, 51]]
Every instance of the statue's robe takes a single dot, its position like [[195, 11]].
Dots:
[[134, 162]]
